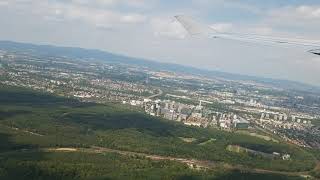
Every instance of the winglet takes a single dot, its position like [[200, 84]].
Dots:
[[192, 27]]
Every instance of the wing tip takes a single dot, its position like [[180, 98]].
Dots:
[[190, 25]]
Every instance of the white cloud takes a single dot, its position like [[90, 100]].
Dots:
[[102, 18], [295, 14], [133, 18], [300, 22], [229, 4], [308, 12], [140, 3], [4, 3], [96, 3], [111, 3], [80, 11]]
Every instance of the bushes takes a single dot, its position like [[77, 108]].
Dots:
[[78, 165]]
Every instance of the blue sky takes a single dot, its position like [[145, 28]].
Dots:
[[146, 28]]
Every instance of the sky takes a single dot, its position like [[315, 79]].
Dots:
[[147, 29]]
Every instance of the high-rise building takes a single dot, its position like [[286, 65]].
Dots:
[[267, 116], [280, 117], [285, 117]]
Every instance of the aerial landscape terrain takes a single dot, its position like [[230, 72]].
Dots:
[[71, 113], [159, 90]]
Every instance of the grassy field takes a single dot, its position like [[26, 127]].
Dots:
[[33, 120]]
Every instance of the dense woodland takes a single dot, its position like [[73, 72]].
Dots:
[[31, 121]]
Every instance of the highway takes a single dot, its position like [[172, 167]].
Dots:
[[156, 95]]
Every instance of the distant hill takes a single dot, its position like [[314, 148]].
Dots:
[[80, 53]]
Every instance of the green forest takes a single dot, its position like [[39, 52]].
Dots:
[[32, 121]]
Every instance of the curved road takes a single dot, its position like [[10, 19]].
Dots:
[[156, 95]]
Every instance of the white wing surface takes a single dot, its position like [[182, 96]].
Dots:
[[195, 28]]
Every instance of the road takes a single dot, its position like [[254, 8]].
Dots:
[[193, 163], [156, 95]]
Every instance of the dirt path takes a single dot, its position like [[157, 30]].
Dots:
[[22, 130], [192, 163]]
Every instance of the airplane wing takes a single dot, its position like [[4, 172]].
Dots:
[[194, 28]]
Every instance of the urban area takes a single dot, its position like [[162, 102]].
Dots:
[[191, 99]]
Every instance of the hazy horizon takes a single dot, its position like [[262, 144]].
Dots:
[[146, 29], [157, 61]]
